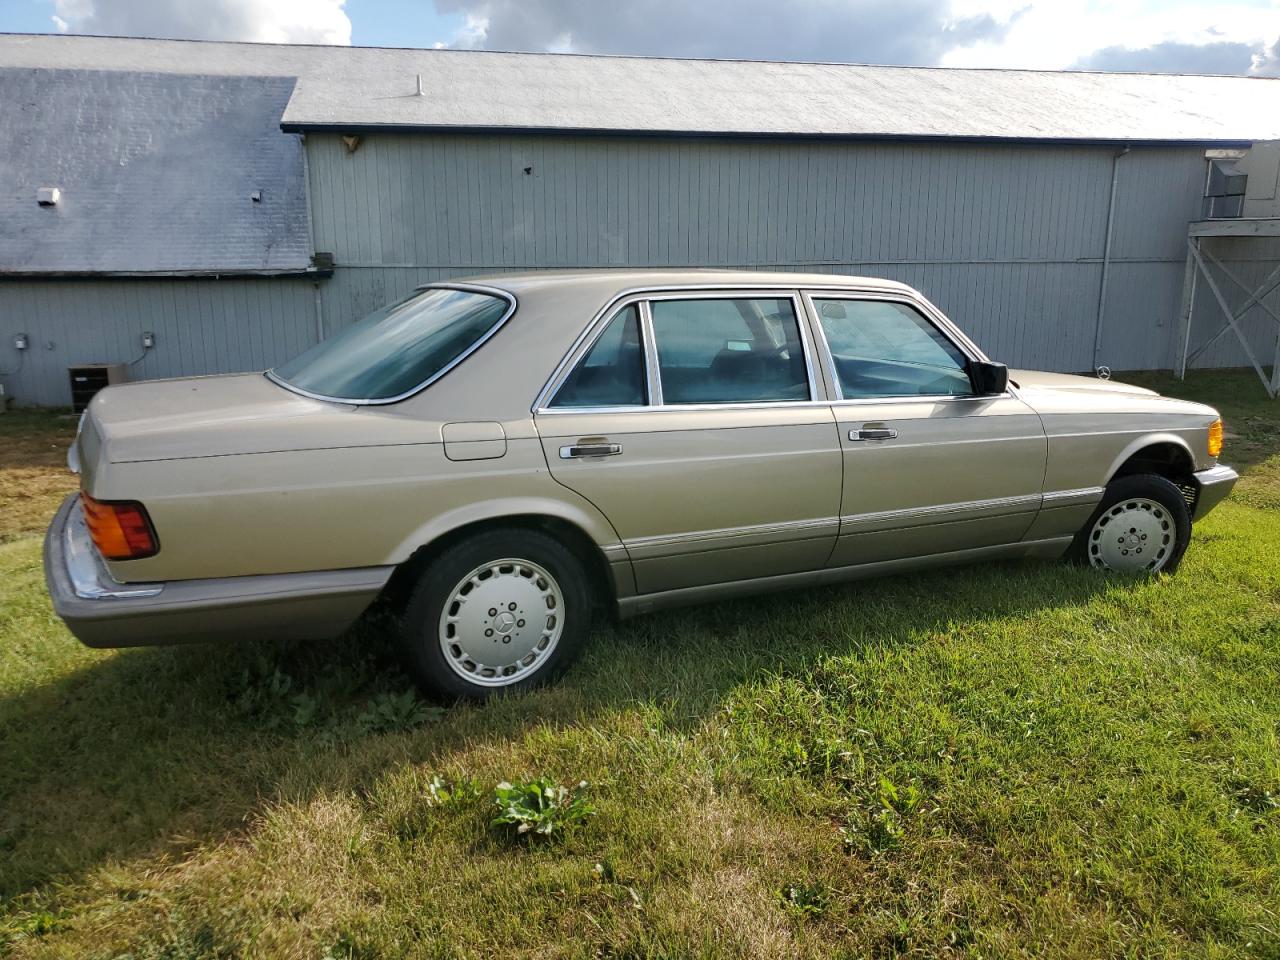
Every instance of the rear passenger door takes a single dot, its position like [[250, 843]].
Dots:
[[692, 421], [930, 467]]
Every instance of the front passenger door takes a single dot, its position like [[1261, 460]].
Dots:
[[701, 439], [930, 467]]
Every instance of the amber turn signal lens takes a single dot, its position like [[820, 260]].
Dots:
[[1215, 438], [121, 529]]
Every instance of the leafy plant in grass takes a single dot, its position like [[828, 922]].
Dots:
[[395, 711], [881, 825], [540, 806], [264, 692], [807, 899], [443, 793], [29, 926]]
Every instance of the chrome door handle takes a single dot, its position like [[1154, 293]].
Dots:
[[577, 450], [878, 433]]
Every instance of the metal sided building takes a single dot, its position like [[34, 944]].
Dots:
[[237, 201]]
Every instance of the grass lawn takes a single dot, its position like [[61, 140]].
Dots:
[[1002, 761]]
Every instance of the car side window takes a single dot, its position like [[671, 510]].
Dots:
[[882, 348], [730, 350], [611, 374]]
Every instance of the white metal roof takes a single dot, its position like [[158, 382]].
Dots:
[[362, 87]]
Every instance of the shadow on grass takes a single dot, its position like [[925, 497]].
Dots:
[[156, 750]]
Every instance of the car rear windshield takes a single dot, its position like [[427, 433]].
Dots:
[[397, 350]]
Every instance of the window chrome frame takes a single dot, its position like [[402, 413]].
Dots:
[[932, 315], [497, 292], [653, 375], [643, 297], [583, 346]]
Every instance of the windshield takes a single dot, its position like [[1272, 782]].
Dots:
[[398, 349]]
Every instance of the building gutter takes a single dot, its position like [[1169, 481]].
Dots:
[[1106, 259], [359, 127], [313, 272]]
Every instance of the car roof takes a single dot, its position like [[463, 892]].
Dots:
[[608, 283]]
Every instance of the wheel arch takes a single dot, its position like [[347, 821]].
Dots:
[[577, 529], [1164, 454]]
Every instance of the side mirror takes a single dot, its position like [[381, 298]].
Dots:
[[988, 379]]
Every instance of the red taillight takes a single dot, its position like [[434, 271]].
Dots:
[[121, 529]]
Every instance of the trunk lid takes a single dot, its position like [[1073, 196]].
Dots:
[[210, 417]]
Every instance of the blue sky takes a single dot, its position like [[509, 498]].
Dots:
[[1192, 36], [374, 23], [401, 23]]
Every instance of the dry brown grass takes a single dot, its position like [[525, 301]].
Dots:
[[33, 469]]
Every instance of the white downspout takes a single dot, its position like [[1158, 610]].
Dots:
[[1106, 259]]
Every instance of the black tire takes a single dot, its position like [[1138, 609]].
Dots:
[[1148, 486], [420, 631]]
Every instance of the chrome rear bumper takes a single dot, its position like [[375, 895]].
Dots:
[[103, 612], [1213, 485]]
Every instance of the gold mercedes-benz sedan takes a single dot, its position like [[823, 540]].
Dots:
[[502, 458]]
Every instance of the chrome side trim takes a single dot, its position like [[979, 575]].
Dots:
[[383, 401], [683, 407], [925, 398], [701, 540], [942, 513], [559, 411], [1085, 496], [684, 596], [85, 569]]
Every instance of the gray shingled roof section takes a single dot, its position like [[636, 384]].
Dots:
[[736, 97], [355, 87], [156, 172]]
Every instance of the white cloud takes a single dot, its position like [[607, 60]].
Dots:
[[850, 31], [1222, 36], [472, 34], [1215, 36], [1266, 62], [263, 21], [1159, 34]]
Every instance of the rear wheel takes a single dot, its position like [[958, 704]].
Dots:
[[503, 610], [1142, 525]]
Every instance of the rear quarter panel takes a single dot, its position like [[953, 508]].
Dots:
[[307, 510]]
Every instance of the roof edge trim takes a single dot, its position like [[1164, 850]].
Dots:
[[296, 126]]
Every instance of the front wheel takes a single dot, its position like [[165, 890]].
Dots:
[[504, 610], [1142, 525]]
